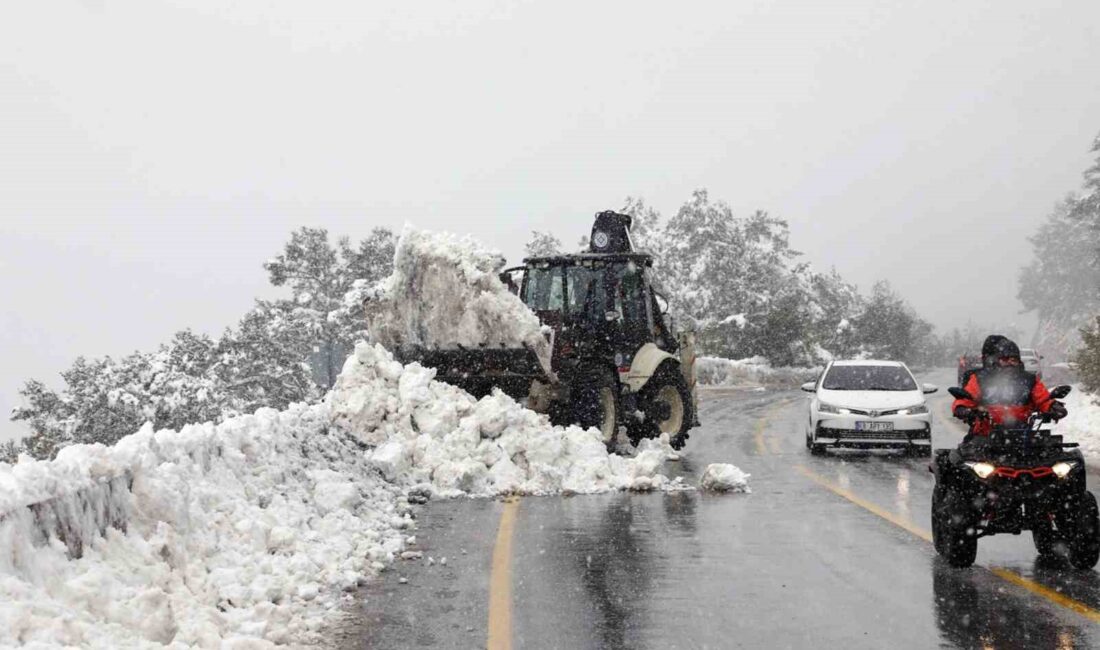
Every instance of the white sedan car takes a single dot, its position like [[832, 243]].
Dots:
[[869, 405]]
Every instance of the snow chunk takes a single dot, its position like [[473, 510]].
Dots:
[[723, 477], [434, 434], [445, 292]]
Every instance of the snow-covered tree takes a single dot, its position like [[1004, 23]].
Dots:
[[9, 452], [319, 275], [1062, 283], [106, 399], [889, 328], [542, 244], [264, 362], [1088, 357], [646, 227]]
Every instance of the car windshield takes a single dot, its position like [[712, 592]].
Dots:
[[1028, 353], [869, 377]]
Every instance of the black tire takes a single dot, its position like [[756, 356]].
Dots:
[[817, 450], [1045, 540], [1084, 533], [950, 533], [666, 401], [937, 519], [595, 404]]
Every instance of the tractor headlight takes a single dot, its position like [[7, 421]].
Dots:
[[829, 408], [983, 470], [919, 409], [1062, 470]]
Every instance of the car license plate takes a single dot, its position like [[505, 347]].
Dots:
[[874, 426]]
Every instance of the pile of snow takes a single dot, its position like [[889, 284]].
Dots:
[[723, 477], [445, 292], [1083, 423], [434, 437], [751, 372], [248, 530]]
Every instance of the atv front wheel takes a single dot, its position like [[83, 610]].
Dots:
[[666, 402], [950, 534], [1084, 542]]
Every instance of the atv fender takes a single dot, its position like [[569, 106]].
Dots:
[[644, 364]]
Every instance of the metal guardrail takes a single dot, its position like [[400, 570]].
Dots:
[[73, 518]]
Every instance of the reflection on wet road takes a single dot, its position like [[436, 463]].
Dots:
[[826, 552]]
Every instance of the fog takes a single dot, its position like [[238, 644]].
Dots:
[[153, 153]]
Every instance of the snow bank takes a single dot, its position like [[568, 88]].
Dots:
[[243, 531], [433, 436], [247, 532], [751, 372], [1083, 423], [723, 477], [444, 293]]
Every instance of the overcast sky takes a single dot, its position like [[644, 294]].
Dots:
[[154, 153]]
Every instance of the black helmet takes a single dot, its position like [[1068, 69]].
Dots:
[[998, 347]]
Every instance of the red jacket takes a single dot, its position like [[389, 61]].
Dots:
[[1010, 397]]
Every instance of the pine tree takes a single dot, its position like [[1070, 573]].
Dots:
[[1088, 357], [319, 276], [542, 244]]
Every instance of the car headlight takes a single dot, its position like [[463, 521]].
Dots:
[[919, 409], [829, 408], [983, 470], [1062, 470]]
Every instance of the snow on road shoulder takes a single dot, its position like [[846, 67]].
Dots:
[[1083, 423], [249, 530], [445, 293], [427, 433], [246, 530], [723, 477]]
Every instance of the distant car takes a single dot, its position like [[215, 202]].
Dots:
[[1033, 361], [869, 405], [968, 363]]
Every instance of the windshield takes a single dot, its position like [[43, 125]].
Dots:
[[543, 289], [869, 378]]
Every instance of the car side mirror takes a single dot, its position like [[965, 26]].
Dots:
[[928, 389], [959, 393], [1060, 392], [810, 387]]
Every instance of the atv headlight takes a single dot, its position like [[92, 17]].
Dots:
[[919, 409], [1062, 470], [983, 470], [829, 408]]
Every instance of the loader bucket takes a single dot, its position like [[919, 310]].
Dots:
[[479, 370]]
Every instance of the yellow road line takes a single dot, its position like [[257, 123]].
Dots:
[[866, 505], [1049, 594], [758, 436], [1005, 574], [500, 581]]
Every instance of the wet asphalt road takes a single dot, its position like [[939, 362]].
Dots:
[[826, 552]]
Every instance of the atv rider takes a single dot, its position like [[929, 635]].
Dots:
[[1004, 393]]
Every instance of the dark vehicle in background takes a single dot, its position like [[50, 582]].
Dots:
[[968, 363], [1015, 479]]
